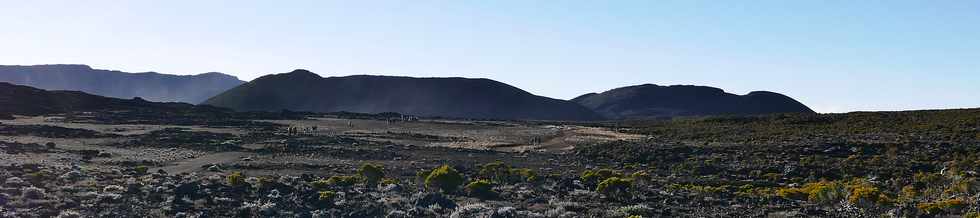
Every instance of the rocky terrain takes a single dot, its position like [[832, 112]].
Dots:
[[71, 154], [150, 85], [902, 164]]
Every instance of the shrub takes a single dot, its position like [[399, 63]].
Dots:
[[863, 193], [342, 181], [445, 178], [266, 182], [638, 210], [705, 189], [961, 186], [748, 190], [524, 174], [792, 193], [972, 215], [816, 192], [908, 194], [923, 180], [772, 176], [321, 184], [141, 170], [326, 196], [614, 186], [502, 173], [825, 192], [235, 179], [497, 171], [481, 189], [640, 176], [947, 206], [389, 181], [371, 173], [591, 178], [422, 174]]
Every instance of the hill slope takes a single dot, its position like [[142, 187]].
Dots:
[[150, 86], [302, 90], [25, 100], [668, 101]]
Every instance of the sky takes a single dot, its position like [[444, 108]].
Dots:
[[834, 56]]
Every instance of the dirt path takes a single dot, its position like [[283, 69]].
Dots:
[[122, 129], [194, 164]]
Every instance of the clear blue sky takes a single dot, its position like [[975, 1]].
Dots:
[[834, 56]]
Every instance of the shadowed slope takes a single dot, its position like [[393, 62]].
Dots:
[[302, 90], [150, 86], [667, 101]]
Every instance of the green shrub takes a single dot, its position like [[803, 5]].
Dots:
[[591, 178], [614, 186], [703, 189], [502, 173], [235, 179], [524, 174], [141, 170], [908, 194], [389, 181], [961, 186], [858, 192], [327, 195], [748, 190], [827, 192], [342, 181], [326, 198], [444, 178], [639, 210], [265, 182], [497, 171], [945, 206], [792, 193], [640, 175], [972, 215], [481, 189], [863, 193], [422, 174], [817, 192], [320, 184], [371, 173]]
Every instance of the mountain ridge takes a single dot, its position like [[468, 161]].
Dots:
[[152, 86], [434, 96], [650, 100]]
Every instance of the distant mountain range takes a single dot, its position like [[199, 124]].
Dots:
[[26, 100], [150, 86], [301, 90], [647, 101]]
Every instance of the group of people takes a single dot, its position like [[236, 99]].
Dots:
[[295, 131]]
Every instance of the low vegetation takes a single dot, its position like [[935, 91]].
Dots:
[[444, 178]]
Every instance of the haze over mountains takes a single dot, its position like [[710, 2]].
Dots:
[[648, 100], [302, 90], [150, 86], [26, 100]]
